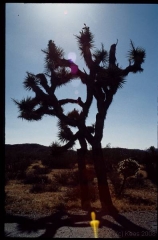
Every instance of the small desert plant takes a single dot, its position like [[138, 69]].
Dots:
[[67, 177], [127, 168]]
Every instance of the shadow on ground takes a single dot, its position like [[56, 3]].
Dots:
[[122, 226]]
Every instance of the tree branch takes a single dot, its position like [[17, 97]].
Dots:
[[68, 100], [43, 82], [78, 72], [131, 68]]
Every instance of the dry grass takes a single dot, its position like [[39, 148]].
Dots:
[[20, 199]]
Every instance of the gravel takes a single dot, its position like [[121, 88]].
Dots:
[[77, 225]]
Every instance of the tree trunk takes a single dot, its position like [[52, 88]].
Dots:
[[100, 169], [85, 196], [123, 185]]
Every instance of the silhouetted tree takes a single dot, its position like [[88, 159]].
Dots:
[[102, 82]]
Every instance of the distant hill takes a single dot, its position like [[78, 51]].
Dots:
[[32, 150], [26, 148], [118, 154], [37, 150]]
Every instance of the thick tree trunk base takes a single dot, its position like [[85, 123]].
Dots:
[[100, 169], [85, 196]]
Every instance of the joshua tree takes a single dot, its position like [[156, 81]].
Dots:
[[102, 81]]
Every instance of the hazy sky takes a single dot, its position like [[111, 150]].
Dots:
[[131, 120]]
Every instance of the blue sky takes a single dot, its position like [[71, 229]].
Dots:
[[131, 120]]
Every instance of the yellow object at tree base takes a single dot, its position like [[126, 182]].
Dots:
[[94, 224]]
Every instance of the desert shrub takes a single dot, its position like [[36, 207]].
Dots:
[[138, 200], [12, 175], [74, 193], [33, 178], [135, 182], [45, 187], [37, 188], [60, 206], [64, 161], [40, 170], [15, 166], [62, 178], [74, 178], [127, 168], [53, 187], [8, 199], [67, 178]]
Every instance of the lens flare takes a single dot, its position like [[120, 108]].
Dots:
[[74, 69]]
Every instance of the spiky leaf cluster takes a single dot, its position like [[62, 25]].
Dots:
[[114, 77], [55, 52], [27, 104], [30, 81], [101, 56], [136, 55], [30, 109], [65, 134], [53, 56], [63, 76], [85, 40], [30, 116], [111, 77]]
